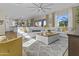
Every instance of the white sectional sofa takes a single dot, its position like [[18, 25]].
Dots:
[[29, 32]]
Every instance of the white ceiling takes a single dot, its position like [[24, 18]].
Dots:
[[24, 10]]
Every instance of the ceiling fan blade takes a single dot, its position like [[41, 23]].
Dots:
[[47, 8], [39, 10], [41, 5], [36, 5], [43, 11], [49, 4], [31, 7]]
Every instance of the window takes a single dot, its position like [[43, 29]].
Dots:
[[62, 21], [41, 22]]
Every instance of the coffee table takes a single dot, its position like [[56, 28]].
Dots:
[[47, 38]]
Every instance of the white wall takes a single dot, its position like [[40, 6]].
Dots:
[[70, 14], [8, 23]]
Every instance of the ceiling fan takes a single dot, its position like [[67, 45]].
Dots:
[[41, 7]]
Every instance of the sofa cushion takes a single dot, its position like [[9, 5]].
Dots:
[[21, 29], [28, 29], [36, 30]]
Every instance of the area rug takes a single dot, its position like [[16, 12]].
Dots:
[[40, 49]]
